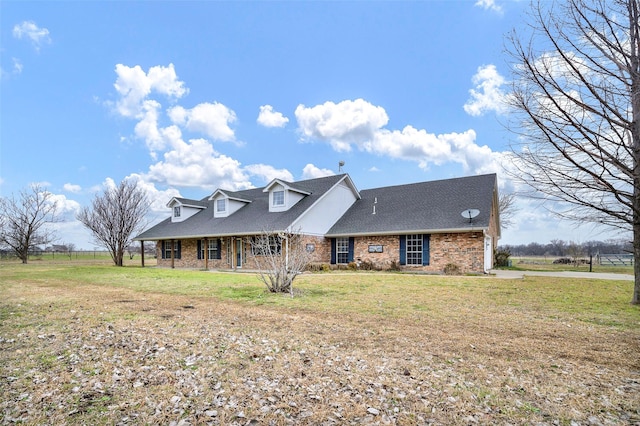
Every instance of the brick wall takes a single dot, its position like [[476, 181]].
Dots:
[[465, 250]]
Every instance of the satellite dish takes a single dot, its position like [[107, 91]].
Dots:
[[470, 213]]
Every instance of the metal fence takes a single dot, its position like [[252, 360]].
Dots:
[[615, 259]]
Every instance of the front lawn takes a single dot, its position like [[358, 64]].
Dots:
[[96, 344]]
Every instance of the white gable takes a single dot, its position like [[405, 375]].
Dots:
[[224, 206], [318, 219], [181, 211], [282, 196]]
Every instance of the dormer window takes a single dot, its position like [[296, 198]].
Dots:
[[221, 205], [278, 198], [176, 211]]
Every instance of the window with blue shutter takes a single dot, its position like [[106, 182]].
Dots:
[[199, 250], [333, 251], [350, 253], [426, 242], [403, 249]]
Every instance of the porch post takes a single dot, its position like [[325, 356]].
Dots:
[[173, 265], [206, 253], [142, 252]]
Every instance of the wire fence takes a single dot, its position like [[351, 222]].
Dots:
[[72, 255]]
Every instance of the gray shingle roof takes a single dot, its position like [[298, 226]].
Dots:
[[188, 202], [253, 218], [419, 207]]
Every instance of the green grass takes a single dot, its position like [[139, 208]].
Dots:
[[386, 295], [545, 263]]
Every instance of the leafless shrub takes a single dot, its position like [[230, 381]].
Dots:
[[279, 257]]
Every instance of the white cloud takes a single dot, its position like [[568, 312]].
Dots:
[[134, 86], [270, 118], [17, 66], [267, 173], [69, 187], [158, 198], [489, 5], [487, 95], [28, 29], [360, 124], [66, 208], [210, 119], [194, 163], [311, 171], [342, 124], [197, 164]]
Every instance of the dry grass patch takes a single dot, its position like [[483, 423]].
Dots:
[[134, 346]]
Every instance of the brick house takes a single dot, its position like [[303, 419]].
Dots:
[[422, 226]]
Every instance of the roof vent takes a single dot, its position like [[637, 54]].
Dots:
[[374, 209]]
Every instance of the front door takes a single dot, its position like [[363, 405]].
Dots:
[[239, 253]]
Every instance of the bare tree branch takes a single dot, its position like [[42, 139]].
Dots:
[[24, 220], [575, 109], [115, 216], [280, 257]]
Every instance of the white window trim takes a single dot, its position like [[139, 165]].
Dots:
[[411, 260], [275, 204], [224, 200], [342, 248]]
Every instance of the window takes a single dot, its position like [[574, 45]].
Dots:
[[414, 249], [212, 249], [342, 250], [176, 211], [261, 246], [166, 246], [278, 198], [221, 205]]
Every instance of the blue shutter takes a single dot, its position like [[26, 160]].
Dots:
[[350, 255], [163, 253], [403, 249], [219, 251], [179, 249], [426, 238], [333, 251], [199, 249]]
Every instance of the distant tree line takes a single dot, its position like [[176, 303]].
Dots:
[[569, 248]]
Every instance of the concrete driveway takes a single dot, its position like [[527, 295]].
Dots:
[[500, 273]]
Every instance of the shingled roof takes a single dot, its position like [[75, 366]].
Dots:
[[251, 219], [425, 207]]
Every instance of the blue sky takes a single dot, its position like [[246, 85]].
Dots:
[[188, 97]]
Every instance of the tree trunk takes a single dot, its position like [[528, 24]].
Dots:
[[636, 259]]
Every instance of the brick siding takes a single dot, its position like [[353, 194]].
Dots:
[[464, 250]]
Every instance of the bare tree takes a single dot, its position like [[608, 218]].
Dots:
[[507, 208], [576, 111], [24, 220], [115, 215], [575, 253], [70, 249], [279, 257]]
